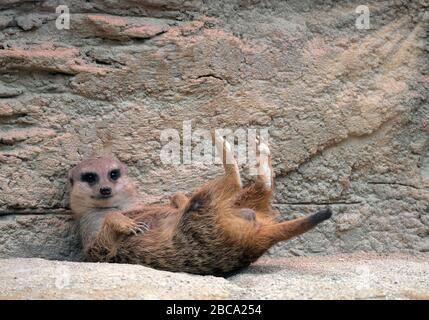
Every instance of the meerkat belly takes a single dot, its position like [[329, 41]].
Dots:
[[215, 259], [201, 256], [90, 226]]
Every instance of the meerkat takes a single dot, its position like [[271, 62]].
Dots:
[[221, 228]]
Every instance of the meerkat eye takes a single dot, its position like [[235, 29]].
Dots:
[[115, 174], [89, 177]]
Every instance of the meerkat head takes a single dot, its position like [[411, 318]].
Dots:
[[100, 183]]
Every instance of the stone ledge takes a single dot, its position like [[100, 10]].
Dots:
[[357, 276]]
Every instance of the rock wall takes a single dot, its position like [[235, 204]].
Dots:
[[346, 108]]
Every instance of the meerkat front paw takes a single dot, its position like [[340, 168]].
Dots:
[[125, 225], [138, 228]]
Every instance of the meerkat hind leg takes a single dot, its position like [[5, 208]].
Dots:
[[229, 162], [258, 194], [265, 171], [179, 200], [223, 188]]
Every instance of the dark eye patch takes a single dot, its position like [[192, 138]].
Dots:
[[89, 177], [115, 174]]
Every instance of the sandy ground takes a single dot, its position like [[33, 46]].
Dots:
[[357, 276]]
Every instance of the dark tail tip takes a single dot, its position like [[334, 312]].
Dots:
[[320, 216]]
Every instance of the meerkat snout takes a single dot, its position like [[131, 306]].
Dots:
[[106, 192], [100, 183]]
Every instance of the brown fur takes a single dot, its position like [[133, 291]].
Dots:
[[218, 230]]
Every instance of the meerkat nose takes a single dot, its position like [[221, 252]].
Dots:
[[106, 191]]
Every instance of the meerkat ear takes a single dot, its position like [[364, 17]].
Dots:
[[70, 177], [123, 167]]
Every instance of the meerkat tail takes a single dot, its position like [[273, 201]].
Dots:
[[292, 228], [225, 150]]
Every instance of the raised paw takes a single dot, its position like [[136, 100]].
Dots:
[[263, 147], [223, 148], [226, 153], [265, 171]]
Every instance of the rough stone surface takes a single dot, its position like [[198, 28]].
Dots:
[[346, 109], [360, 276]]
